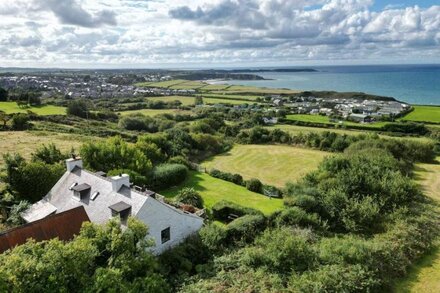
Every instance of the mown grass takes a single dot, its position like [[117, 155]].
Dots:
[[424, 275], [429, 114], [272, 164], [154, 112], [214, 190], [12, 107], [26, 142]]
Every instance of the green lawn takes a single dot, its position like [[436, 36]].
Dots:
[[154, 112], [272, 164], [12, 107], [214, 190], [424, 275], [424, 114]]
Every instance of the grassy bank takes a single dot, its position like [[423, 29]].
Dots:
[[428, 114], [214, 190]]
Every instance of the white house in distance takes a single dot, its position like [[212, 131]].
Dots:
[[104, 198]]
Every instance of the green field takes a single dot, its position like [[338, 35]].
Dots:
[[272, 164], [424, 276], [161, 84], [224, 96], [214, 190], [12, 107], [154, 112], [424, 114], [326, 120]]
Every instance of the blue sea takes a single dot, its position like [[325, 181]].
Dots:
[[414, 84]]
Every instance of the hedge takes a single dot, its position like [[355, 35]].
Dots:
[[223, 209]]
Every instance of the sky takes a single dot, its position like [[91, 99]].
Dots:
[[216, 33]]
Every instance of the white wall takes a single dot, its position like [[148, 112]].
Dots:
[[159, 216]]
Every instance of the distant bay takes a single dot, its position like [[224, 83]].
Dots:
[[415, 84]]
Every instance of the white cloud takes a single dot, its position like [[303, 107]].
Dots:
[[148, 32]]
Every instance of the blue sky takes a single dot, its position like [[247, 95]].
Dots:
[[182, 33]]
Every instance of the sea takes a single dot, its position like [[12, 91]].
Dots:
[[414, 84]]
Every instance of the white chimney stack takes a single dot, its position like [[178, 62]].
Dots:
[[74, 162], [119, 181]]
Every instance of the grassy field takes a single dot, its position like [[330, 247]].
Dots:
[[25, 142], [154, 112], [295, 129], [213, 190], [424, 276], [326, 120], [238, 96], [424, 114], [272, 164], [259, 90], [161, 84], [12, 107]]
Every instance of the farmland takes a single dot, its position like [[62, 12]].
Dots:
[[272, 164], [428, 114], [12, 107], [213, 190], [26, 142]]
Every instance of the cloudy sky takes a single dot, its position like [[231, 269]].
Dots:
[[191, 33]]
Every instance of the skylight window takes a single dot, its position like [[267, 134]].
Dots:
[[94, 195], [73, 185]]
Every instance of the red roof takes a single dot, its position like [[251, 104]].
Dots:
[[62, 226]]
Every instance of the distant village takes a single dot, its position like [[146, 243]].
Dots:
[[104, 85]]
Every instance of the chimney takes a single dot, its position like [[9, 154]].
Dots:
[[119, 181], [74, 162]]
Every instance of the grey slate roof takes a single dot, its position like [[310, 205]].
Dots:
[[81, 187], [120, 206], [60, 198]]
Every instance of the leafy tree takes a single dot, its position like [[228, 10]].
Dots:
[[49, 154], [4, 118], [254, 185], [190, 196], [101, 259], [20, 121], [3, 94], [115, 153], [31, 180], [78, 108]]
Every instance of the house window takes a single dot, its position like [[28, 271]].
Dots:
[[165, 235]]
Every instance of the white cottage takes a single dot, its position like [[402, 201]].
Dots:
[[104, 198]]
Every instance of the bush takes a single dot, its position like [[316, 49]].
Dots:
[[298, 217], [223, 209], [246, 227], [213, 237], [78, 108], [234, 178], [254, 185], [190, 196], [20, 121], [168, 175]]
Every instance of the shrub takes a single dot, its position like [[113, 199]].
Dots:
[[246, 227], [234, 178], [295, 216], [223, 209], [167, 175], [78, 108], [20, 121], [213, 236], [190, 196], [254, 185]]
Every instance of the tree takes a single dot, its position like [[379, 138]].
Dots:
[[190, 196], [115, 153], [198, 100], [78, 108], [103, 258], [254, 185], [20, 121], [49, 154], [4, 118], [32, 180], [3, 95]]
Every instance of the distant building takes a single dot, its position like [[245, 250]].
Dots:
[[361, 118], [104, 198]]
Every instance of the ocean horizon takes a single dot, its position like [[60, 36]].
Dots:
[[414, 84]]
